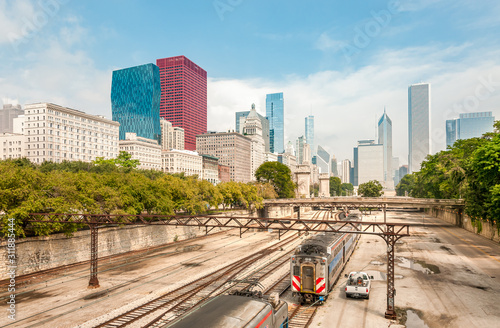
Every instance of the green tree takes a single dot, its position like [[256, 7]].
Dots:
[[372, 188], [279, 176], [406, 185], [314, 189], [335, 184], [347, 189]]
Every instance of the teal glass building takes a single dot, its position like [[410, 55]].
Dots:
[[276, 116], [469, 125], [135, 101]]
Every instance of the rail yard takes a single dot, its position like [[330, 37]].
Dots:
[[445, 277]]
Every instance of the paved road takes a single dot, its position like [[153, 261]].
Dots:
[[446, 277]]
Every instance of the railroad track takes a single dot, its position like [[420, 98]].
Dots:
[[171, 305], [300, 316]]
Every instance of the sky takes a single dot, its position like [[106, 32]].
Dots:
[[341, 61]]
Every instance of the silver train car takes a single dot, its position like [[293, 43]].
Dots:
[[317, 264], [243, 309]]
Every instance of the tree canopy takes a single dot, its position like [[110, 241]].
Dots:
[[372, 188], [470, 169], [335, 184], [279, 176], [106, 188]]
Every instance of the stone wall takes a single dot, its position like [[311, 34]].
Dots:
[[485, 229], [42, 253]]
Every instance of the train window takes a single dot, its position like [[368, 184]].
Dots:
[[296, 270]]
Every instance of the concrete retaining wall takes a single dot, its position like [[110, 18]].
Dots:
[[42, 253], [487, 230]]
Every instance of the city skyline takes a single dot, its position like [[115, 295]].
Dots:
[[328, 65]]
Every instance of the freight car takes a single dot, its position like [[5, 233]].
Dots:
[[317, 263], [239, 309]]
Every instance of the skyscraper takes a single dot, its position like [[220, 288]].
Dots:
[[7, 115], [469, 125], [135, 101], [346, 171], [451, 132], [323, 160], [240, 121], [355, 166], [184, 96], [333, 166], [299, 149], [309, 128], [385, 139], [275, 114], [370, 162], [419, 118]]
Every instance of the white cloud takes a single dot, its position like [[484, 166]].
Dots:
[[347, 105]]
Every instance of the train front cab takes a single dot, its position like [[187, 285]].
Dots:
[[308, 282]]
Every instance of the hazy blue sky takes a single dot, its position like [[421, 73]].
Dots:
[[341, 61]]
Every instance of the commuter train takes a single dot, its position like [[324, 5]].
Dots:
[[318, 262], [238, 309]]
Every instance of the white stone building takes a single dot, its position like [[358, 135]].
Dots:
[[171, 137], [178, 161], [12, 145], [147, 151], [370, 162], [55, 133], [253, 130]]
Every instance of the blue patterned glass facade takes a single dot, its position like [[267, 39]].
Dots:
[[309, 128], [135, 101], [275, 115]]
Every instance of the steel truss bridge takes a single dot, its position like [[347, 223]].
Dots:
[[390, 232]]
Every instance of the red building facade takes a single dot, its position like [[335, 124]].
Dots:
[[184, 96]]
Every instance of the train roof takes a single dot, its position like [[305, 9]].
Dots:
[[318, 243], [227, 311]]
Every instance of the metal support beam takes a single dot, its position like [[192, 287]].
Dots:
[[390, 238], [93, 282]]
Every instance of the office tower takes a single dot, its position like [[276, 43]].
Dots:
[[135, 100], [385, 139], [78, 136], [333, 166], [403, 170], [309, 128], [451, 132], [275, 114], [355, 176], [184, 96], [395, 170], [232, 149], [252, 128], [323, 160], [370, 162], [469, 125], [7, 115], [419, 107], [299, 149], [240, 120], [346, 171]]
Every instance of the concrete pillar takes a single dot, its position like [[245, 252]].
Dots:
[[303, 178], [324, 185]]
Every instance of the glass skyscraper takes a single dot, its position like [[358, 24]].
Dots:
[[419, 106], [385, 138], [451, 132], [469, 125], [275, 114], [135, 101], [323, 160], [310, 133]]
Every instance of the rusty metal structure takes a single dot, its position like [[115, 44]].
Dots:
[[390, 232]]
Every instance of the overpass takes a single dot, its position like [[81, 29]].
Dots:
[[373, 202]]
